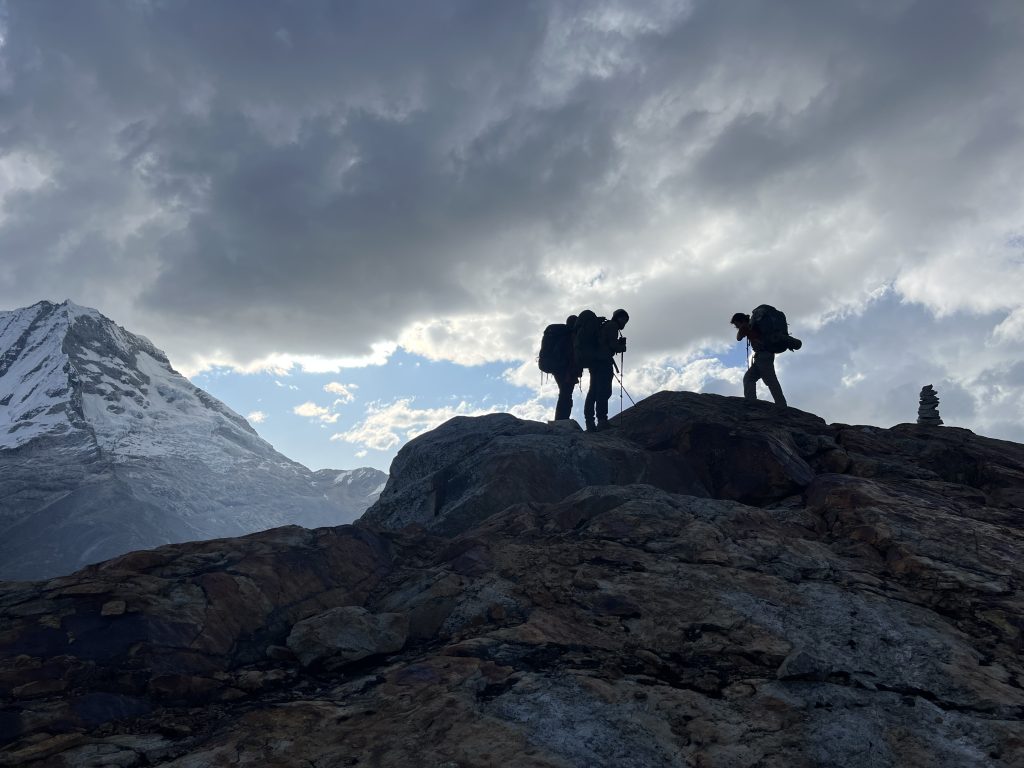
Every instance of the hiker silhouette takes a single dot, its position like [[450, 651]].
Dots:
[[597, 342], [557, 357], [768, 334]]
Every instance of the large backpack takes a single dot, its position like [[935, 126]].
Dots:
[[771, 325], [555, 349], [586, 343]]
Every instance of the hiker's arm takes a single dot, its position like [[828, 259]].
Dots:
[[610, 339]]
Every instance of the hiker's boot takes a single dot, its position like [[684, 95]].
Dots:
[[604, 426], [591, 427]]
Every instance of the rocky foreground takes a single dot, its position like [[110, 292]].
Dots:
[[712, 584]]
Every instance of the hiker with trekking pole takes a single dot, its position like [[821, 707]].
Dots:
[[767, 333], [596, 344]]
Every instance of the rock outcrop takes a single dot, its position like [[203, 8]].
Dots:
[[714, 583]]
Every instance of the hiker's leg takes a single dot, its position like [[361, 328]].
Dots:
[[750, 381], [565, 386], [589, 403], [604, 379], [766, 364]]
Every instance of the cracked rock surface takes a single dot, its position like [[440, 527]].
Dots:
[[715, 583]]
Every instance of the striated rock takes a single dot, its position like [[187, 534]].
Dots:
[[347, 634], [197, 610], [763, 590]]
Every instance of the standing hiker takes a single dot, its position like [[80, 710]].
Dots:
[[597, 343], [768, 334], [557, 358]]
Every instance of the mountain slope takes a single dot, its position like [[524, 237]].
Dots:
[[105, 448], [716, 583]]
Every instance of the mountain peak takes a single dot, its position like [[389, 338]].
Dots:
[[68, 369], [79, 309], [105, 448]]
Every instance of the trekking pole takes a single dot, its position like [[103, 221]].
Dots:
[[624, 390], [622, 373]]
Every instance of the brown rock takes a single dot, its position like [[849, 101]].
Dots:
[[113, 608], [38, 750]]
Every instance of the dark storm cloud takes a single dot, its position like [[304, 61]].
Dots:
[[315, 176], [366, 213], [305, 161]]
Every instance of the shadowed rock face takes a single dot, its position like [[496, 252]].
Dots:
[[714, 584]]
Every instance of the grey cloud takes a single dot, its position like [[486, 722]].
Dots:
[[891, 350], [315, 176], [869, 368], [365, 215]]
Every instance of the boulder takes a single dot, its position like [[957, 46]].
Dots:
[[347, 634], [470, 468], [702, 445]]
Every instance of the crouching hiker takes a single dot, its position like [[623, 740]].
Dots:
[[557, 358], [768, 334], [597, 343]]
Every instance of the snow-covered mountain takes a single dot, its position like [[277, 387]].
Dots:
[[105, 448]]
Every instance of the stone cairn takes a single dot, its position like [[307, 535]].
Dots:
[[928, 412]]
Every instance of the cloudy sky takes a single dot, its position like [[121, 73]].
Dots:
[[352, 220]]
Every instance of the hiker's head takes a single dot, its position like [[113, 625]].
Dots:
[[739, 319], [621, 317], [570, 322]]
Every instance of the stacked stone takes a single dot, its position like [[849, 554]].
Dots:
[[928, 412]]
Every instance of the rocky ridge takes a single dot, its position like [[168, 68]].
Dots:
[[714, 583]]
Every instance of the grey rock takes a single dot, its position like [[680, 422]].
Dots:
[[800, 665], [569, 425], [470, 468], [347, 634]]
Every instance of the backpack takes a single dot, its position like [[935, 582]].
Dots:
[[555, 349], [770, 323], [586, 344]]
